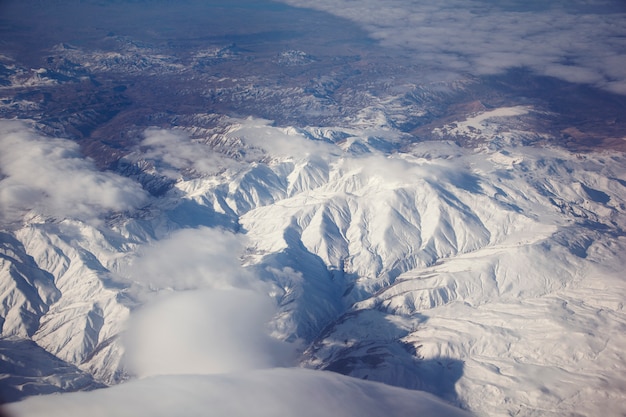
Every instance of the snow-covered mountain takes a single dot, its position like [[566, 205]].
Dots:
[[250, 208], [491, 277]]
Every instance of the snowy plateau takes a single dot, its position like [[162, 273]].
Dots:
[[491, 277]]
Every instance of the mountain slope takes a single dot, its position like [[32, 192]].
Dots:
[[468, 273]]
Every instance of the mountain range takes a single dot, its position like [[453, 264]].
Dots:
[[260, 224]]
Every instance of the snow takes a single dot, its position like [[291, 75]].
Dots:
[[485, 125], [492, 278]]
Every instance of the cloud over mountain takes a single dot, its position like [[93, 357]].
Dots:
[[273, 392], [173, 152], [579, 42], [52, 178], [192, 259], [204, 332]]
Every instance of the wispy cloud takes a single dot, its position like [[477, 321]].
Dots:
[[50, 177], [173, 152], [280, 142], [192, 259], [577, 41]]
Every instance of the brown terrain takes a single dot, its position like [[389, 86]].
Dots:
[[113, 77]]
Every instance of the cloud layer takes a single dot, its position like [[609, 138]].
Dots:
[[577, 41], [264, 393], [50, 177]]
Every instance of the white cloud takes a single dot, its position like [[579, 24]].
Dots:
[[280, 142], [261, 393], [173, 152], [192, 259], [51, 177], [580, 42], [209, 315], [204, 332]]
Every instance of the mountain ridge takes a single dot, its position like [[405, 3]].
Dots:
[[343, 240]]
